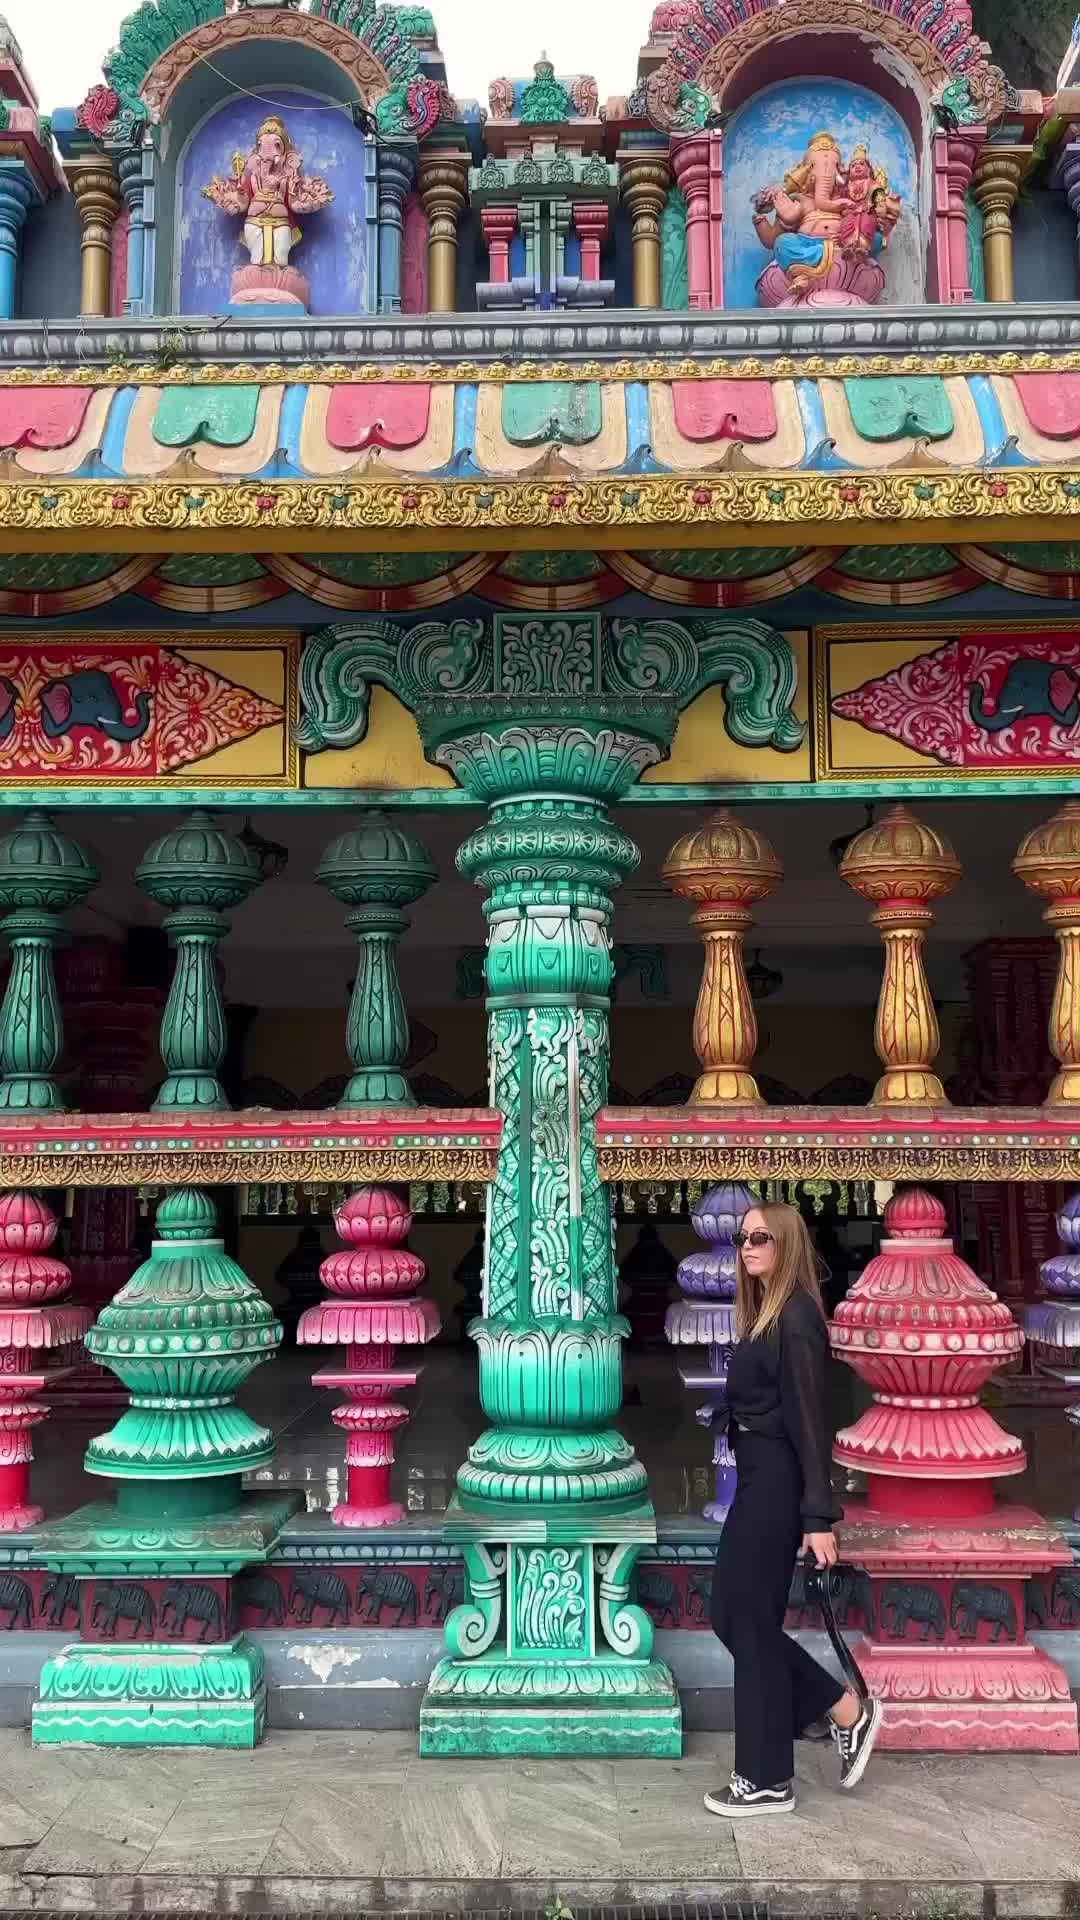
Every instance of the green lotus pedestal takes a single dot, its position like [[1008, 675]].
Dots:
[[548, 1654], [183, 1335]]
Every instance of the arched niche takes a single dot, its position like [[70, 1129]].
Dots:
[[214, 111], [768, 134]]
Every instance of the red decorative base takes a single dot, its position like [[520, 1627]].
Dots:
[[970, 1699]]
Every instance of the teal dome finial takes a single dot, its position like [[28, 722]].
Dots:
[[187, 1214]]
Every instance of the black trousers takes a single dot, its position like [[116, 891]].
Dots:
[[779, 1689]]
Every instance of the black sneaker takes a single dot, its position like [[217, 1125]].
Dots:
[[856, 1744], [740, 1799]]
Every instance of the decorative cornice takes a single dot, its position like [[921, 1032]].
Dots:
[[834, 1143], [179, 1150], [718, 509], [1002, 338]]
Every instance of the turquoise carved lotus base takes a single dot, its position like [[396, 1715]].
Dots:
[[602, 1707], [549, 1654], [152, 1694]]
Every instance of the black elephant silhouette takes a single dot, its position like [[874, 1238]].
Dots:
[[1031, 690], [89, 699]]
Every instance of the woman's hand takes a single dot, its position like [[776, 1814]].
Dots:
[[822, 1546]]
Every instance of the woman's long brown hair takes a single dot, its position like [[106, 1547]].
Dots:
[[759, 1303]]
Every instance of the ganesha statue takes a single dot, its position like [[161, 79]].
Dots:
[[268, 190], [826, 227]]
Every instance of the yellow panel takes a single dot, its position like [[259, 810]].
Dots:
[[389, 756], [847, 664], [704, 750]]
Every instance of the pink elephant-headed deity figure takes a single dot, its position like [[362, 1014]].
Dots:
[[825, 228], [268, 190]]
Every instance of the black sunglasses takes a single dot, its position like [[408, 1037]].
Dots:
[[755, 1239]]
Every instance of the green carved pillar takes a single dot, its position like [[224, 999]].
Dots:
[[548, 1654], [42, 872], [197, 871], [182, 1335], [377, 870]]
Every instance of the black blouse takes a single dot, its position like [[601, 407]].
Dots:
[[776, 1385]]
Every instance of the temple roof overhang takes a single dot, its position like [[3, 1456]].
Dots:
[[907, 424]]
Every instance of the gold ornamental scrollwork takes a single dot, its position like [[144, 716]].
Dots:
[[499, 373], [341, 1166], [275, 514], [724, 1160]]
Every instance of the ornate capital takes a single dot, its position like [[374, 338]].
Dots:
[[444, 179], [500, 748], [397, 171], [96, 193], [994, 186], [645, 179]]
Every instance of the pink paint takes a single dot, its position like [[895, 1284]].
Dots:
[[499, 226], [378, 414], [591, 223], [414, 257], [954, 157], [374, 1281], [32, 1319], [45, 418], [724, 409], [946, 1651], [690, 160], [716, 217], [1051, 402]]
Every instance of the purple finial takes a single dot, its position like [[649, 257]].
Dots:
[[1061, 1274], [705, 1317]]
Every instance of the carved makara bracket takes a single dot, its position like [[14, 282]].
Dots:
[[514, 661]]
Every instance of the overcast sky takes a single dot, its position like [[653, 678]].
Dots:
[[63, 41]]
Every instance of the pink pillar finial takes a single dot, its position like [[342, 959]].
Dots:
[[690, 163], [373, 1280], [591, 225], [34, 1317], [946, 1647], [499, 226]]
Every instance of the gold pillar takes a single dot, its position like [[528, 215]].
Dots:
[[645, 179], [995, 185], [722, 869], [444, 178], [901, 867], [97, 198], [1048, 861]]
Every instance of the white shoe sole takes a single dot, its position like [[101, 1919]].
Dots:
[[747, 1813], [877, 1714]]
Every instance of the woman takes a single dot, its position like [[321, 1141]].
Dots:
[[783, 1506]]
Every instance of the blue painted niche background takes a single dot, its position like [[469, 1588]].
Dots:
[[336, 252], [770, 134]]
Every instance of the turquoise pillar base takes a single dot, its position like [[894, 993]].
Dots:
[[152, 1694], [604, 1706], [548, 1653]]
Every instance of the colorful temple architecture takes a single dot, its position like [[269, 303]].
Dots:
[[539, 704]]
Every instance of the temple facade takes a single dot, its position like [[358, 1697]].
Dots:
[[539, 703]]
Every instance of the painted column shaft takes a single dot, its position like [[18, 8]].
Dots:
[[97, 199], [17, 195], [397, 169]]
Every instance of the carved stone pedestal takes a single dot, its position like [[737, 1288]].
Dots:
[[946, 1650]]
